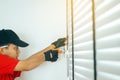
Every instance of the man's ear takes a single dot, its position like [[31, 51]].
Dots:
[[2, 50]]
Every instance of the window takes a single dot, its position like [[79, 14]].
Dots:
[[107, 27]]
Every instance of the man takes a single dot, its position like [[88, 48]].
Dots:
[[10, 66]]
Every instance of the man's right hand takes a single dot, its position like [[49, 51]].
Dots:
[[59, 43]]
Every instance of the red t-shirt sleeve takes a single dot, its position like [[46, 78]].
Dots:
[[7, 64], [17, 73]]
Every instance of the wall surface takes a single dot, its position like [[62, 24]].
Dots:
[[38, 22]]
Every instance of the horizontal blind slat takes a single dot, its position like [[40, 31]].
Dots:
[[107, 76]]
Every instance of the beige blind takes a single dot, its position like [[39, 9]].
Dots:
[[108, 39], [107, 20]]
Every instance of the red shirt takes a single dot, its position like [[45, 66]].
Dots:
[[7, 66]]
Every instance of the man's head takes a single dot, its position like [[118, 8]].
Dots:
[[10, 41], [10, 50]]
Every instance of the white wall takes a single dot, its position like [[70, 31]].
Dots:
[[39, 22]]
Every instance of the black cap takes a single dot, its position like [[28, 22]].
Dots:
[[9, 36]]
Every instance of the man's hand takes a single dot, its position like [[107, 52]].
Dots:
[[59, 43], [51, 55]]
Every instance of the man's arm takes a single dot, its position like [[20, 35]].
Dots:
[[39, 57], [33, 61]]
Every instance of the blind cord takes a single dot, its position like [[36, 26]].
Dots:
[[94, 40], [72, 26]]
